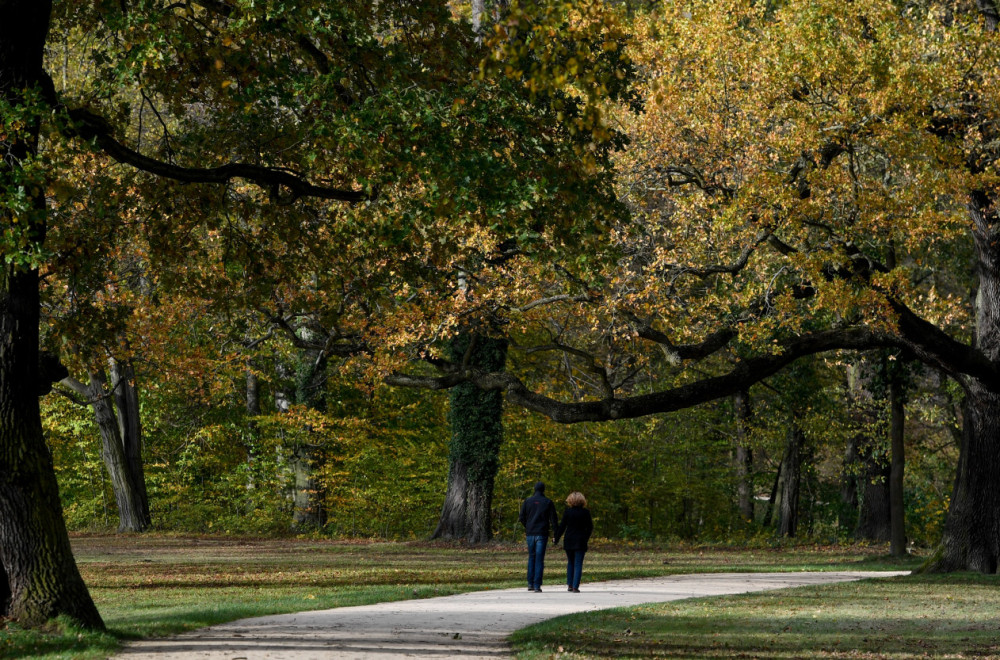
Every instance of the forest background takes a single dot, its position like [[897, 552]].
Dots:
[[212, 468]]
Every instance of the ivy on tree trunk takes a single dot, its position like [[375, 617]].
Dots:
[[476, 418]]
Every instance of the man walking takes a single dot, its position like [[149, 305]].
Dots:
[[538, 515]]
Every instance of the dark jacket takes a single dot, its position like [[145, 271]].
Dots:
[[538, 515], [577, 525]]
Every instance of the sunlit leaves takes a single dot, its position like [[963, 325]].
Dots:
[[813, 123]]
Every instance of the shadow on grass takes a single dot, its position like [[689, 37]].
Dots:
[[690, 637], [926, 616]]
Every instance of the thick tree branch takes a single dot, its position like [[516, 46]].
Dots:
[[84, 391], [676, 353], [50, 370], [90, 126], [583, 297], [935, 347], [727, 269], [745, 373]]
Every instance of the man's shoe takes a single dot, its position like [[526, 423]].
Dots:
[[576, 591], [569, 588], [538, 590]]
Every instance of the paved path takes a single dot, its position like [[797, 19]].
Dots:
[[472, 625]]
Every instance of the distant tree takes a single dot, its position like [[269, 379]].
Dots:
[[115, 404]]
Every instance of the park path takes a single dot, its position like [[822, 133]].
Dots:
[[467, 626]]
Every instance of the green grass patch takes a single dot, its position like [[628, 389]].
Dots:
[[940, 616], [148, 586]]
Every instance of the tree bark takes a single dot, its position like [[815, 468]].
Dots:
[[478, 11], [452, 524], [130, 493], [484, 12], [41, 574], [4, 591], [744, 456], [972, 530], [130, 424]]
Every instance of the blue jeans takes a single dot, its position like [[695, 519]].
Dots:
[[536, 560], [574, 567]]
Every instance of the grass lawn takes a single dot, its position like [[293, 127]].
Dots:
[[152, 585], [951, 616]]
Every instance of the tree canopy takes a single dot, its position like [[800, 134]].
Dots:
[[649, 208]]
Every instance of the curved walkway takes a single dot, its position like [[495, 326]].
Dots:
[[471, 625]]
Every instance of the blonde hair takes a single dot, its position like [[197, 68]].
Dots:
[[576, 498]]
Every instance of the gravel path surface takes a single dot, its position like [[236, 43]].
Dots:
[[472, 625]]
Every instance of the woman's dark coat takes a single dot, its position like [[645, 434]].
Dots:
[[577, 526]]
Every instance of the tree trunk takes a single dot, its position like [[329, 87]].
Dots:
[[307, 460], [773, 496], [791, 478], [133, 509], [867, 381], [309, 512], [478, 11], [971, 539], [485, 12], [253, 393], [897, 517], [452, 523], [744, 456], [476, 418], [130, 428], [972, 530], [42, 579], [873, 494], [116, 414], [4, 591], [848, 516]]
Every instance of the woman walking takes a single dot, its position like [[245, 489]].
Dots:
[[577, 525]]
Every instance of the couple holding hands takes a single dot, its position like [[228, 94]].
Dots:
[[538, 515]]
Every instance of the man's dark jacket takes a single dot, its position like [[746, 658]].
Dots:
[[577, 525], [538, 515]]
